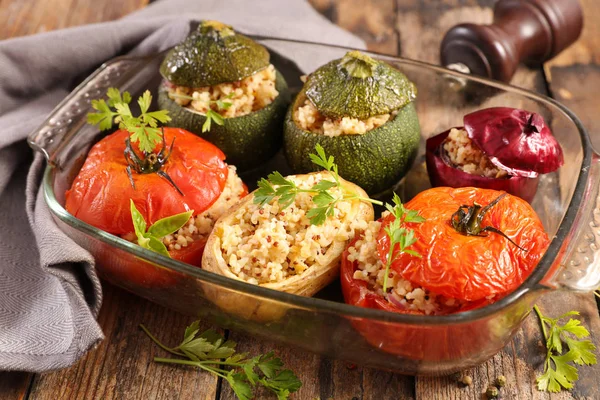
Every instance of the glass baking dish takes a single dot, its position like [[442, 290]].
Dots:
[[566, 201]]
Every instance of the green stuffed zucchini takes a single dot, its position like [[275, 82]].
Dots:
[[360, 110], [220, 85]]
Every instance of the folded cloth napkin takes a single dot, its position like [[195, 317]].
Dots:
[[49, 291]]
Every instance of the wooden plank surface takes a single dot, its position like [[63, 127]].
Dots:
[[14, 385], [121, 366], [323, 378], [374, 21], [421, 26], [371, 20], [27, 17], [574, 79]]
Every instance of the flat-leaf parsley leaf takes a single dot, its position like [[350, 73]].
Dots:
[[559, 371], [211, 352], [143, 128], [285, 190]]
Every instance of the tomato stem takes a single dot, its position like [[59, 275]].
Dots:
[[467, 220], [151, 163]]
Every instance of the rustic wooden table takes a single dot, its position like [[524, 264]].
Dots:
[[121, 366]]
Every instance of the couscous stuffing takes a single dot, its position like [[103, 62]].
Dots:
[[310, 119], [268, 244], [246, 96], [467, 156]]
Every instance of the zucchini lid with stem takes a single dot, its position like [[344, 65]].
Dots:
[[358, 86], [213, 54]]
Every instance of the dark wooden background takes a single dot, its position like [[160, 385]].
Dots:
[[121, 367]]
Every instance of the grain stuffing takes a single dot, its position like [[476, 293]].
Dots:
[[401, 292], [199, 226], [464, 154], [310, 119], [268, 244], [246, 96]]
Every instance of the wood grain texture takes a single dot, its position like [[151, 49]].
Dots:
[[574, 75], [323, 378], [421, 26], [27, 17], [574, 79], [371, 20], [122, 366], [14, 385]]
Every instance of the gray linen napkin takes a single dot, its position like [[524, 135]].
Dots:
[[49, 291]]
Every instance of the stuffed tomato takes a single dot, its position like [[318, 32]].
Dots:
[[474, 247], [194, 176]]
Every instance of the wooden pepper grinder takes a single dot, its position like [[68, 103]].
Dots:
[[528, 31]]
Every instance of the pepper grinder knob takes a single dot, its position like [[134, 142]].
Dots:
[[529, 31]]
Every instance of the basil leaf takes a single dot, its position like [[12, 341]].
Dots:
[[156, 245], [168, 225], [139, 224]]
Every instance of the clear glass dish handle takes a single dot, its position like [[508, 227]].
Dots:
[[578, 262], [68, 116]]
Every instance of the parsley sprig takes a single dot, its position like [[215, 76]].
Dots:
[[151, 238], [211, 115], [400, 235], [559, 371], [285, 190], [211, 352], [143, 128]]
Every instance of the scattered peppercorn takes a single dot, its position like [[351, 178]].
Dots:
[[501, 381], [492, 392], [466, 380]]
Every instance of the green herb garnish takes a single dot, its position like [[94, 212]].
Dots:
[[211, 115], [399, 235], [211, 352], [143, 128], [285, 190], [151, 239], [559, 371]]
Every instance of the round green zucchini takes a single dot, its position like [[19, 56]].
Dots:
[[247, 141], [375, 160]]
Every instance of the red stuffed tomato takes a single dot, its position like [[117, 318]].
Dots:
[[476, 246], [201, 181]]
